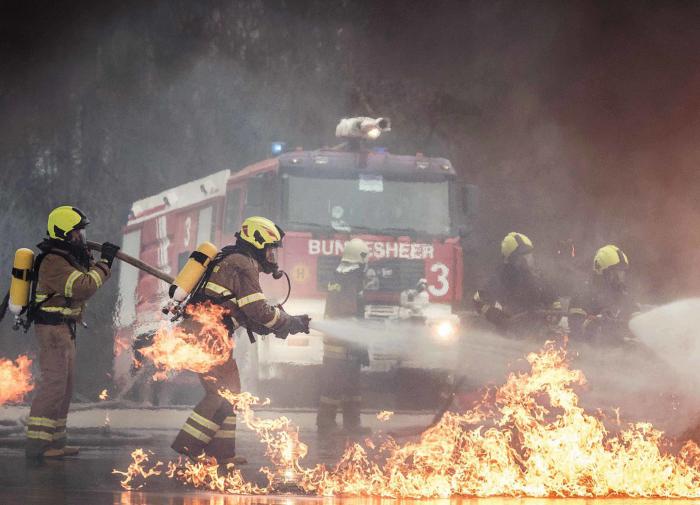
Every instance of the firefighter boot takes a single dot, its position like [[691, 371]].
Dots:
[[52, 453], [351, 418], [325, 418]]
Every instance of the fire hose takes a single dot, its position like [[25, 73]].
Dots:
[[145, 267]]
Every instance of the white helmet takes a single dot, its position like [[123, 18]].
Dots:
[[356, 251]]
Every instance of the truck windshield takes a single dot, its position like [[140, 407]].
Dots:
[[369, 203]]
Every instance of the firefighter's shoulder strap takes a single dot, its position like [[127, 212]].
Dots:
[[34, 306], [4, 304], [198, 294]]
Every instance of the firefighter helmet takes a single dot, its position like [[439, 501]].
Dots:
[[356, 251], [260, 232], [65, 219], [609, 256], [515, 244]]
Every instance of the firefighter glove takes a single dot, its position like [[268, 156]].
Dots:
[[109, 251]]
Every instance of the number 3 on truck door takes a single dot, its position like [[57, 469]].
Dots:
[[442, 284]]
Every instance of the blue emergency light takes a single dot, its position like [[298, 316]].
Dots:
[[278, 147]]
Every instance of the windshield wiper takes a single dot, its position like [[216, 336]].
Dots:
[[316, 226], [411, 232]]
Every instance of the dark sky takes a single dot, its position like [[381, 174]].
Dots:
[[578, 119]]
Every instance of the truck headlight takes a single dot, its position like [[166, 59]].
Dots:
[[445, 331]]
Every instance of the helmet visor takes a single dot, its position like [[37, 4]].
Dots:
[[271, 255], [80, 236]]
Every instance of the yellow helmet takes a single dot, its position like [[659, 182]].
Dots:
[[609, 256], [260, 232], [515, 243], [356, 251], [65, 219]]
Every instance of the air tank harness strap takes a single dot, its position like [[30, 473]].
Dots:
[[56, 319]]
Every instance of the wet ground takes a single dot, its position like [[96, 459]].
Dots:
[[87, 479]]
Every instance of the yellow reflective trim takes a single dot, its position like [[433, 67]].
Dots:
[[274, 320], [61, 422], [66, 311], [255, 297], [217, 288], [96, 277], [225, 434], [230, 420], [41, 298], [578, 312], [196, 433], [42, 435], [68, 291], [41, 421], [204, 421]]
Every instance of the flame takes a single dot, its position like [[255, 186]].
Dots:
[[204, 474], [103, 395], [281, 438], [16, 379], [195, 347], [137, 469], [385, 415], [121, 344], [531, 439]]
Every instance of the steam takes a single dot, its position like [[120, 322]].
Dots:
[[653, 379]]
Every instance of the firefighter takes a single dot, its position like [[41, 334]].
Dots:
[[67, 277], [602, 311], [232, 280], [517, 299], [342, 362]]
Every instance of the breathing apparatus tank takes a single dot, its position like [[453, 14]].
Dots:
[[192, 272], [20, 285]]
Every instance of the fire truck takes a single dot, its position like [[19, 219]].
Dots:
[[411, 211]]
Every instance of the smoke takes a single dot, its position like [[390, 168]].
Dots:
[[577, 121]]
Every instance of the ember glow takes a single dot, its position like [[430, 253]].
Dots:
[[138, 470], [533, 439], [15, 378], [198, 344], [103, 395]]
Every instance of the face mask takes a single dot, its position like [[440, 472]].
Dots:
[[271, 255], [617, 279]]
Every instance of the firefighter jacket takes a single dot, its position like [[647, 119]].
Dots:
[[344, 301], [601, 314], [237, 276], [512, 292], [64, 285]]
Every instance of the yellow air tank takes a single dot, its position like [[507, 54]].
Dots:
[[21, 282], [193, 271]]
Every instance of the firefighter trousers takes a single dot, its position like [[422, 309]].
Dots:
[[46, 426], [211, 428], [340, 389]]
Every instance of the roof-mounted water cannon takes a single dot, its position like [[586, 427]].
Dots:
[[363, 128]]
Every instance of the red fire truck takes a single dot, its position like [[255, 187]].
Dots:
[[410, 210]]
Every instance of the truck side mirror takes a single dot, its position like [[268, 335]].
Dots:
[[469, 201], [255, 202]]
